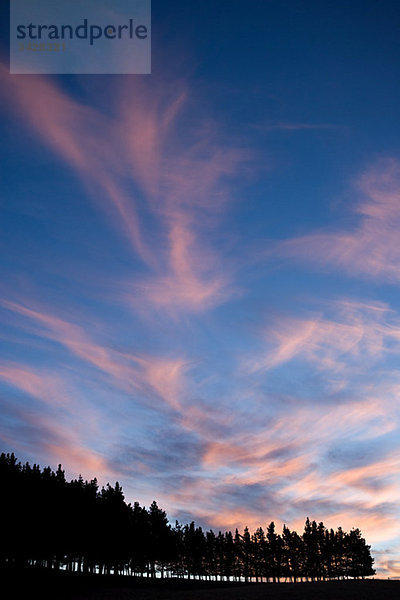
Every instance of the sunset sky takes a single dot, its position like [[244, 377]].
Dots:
[[200, 268]]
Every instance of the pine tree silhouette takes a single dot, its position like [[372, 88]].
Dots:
[[49, 523]]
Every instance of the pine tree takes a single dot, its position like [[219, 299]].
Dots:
[[258, 542], [47, 522], [246, 553], [274, 553]]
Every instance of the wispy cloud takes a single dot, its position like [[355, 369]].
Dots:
[[44, 387], [164, 190], [159, 377], [190, 279], [43, 436], [369, 249], [357, 332]]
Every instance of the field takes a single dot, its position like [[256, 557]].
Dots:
[[26, 585]]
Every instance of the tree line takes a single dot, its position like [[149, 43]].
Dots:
[[48, 522]]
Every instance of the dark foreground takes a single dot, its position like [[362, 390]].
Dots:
[[30, 584]]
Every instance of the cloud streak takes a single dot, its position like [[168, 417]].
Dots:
[[129, 372], [370, 249], [357, 332], [146, 178]]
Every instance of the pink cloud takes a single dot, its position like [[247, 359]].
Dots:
[[357, 333], [390, 567], [76, 133], [191, 279], [182, 178], [58, 398], [61, 443], [368, 487], [157, 381], [362, 477], [230, 519], [370, 249], [47, 388], [288, 447], [376, 527], [157, 375], [285, 456]]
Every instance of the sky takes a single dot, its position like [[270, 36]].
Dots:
[[200, 268]]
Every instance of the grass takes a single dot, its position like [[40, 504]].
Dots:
[[30, 584]]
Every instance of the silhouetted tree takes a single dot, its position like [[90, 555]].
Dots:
[[48, 522], [274, 553]]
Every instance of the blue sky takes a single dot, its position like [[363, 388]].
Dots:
[[200, 268]]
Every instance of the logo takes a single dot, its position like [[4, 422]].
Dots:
[[80, 36]]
